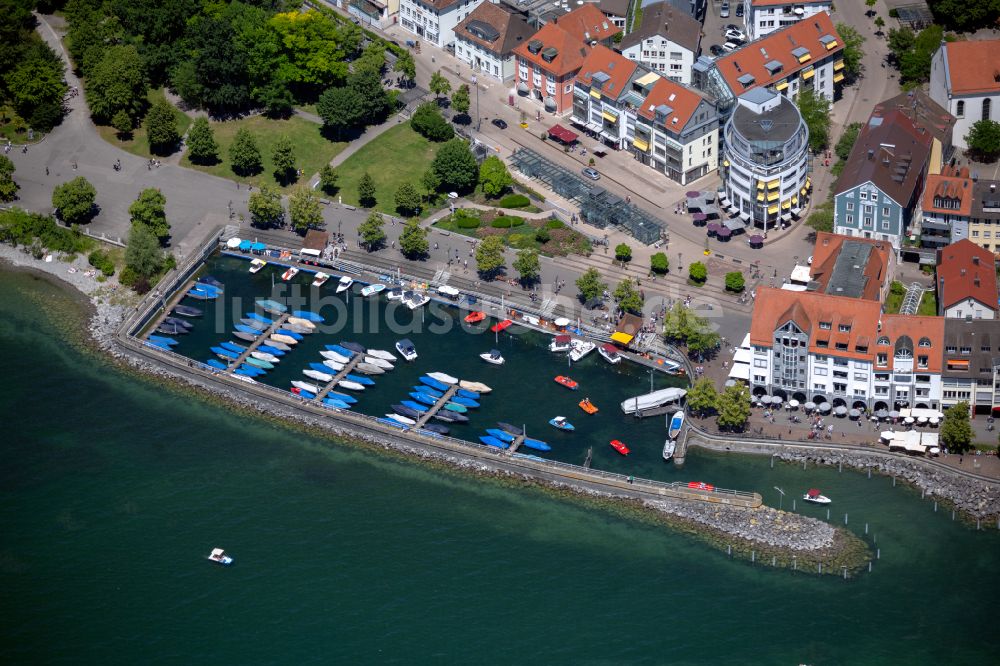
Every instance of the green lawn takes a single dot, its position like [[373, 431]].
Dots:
[[13, 127], [894, 300], [928, 305], [138, 144], [563, 241], [397, 156], [312, 151]]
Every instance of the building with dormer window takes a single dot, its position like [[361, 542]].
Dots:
[[762, 17], [434, 20], [547, 66], [667, 41], [485, 40]]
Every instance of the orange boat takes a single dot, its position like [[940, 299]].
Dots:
[[587, 406], [475, 317], [501, 326], [567, 382], [620, 447], [700, 485]]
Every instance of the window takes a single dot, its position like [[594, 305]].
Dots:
[[922, 361], [825, 325], [868, 221], [839, 374], [842, 346], [759, 363], [819, 387], [864, 195], [823, 343], [951, 349], [860, 377], [844, 328], [839, 388], [965, 350], [850, 205], [883, 341], [881, 358], [925, 342], [985, 348], [960, 109], [885, 211], [820, 372], [850, 219], [881, 376], [840, 362], [986, 108], [874, 196]]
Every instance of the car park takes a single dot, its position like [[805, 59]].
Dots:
[[591, 173], [502, 124]]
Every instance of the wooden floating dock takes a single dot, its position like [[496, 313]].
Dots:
[[351, 363], [436, 407], [261, 339], [515, 445]]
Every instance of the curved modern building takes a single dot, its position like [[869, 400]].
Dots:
[[765, 166]]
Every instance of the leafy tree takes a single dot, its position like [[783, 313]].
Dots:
[[489, 256], [340, 109], [460, 100], [214, 73], [74, 200], [428, 122], [734, 407], [439, 84], [366, 190], [407, 200], [405, 65], [965, 16], [956, 432], [628, 296], [678, 323], [701, 341], [304, 208], [431, 182], [149, 210], [202, 148], [821, 219], [456, 166], [735, 281], [372, 232], [143, 256], [372, 59], [815, 110], [117, 83], [870, 4], [122, 122], [542, 235], [879, 24], [373, 97], [35, 83], [413, 241], [659, 264], [697, 272], [590, 284], [913, 52], [983, 140], [283, 158], [8, 188], [494, 176], [623, 253], [702, 397], [852, 53], [309, 49], [161, 129], [527, 265], [265, 207], [328, 179], [847, 141], [244, 156]]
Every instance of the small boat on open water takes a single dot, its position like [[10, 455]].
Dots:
[[399, 418], [428, 390], [257, 265], [587, 406], [406, 411], [320, 279], [215, 363], [292, 334], [512, 429], [343, 351], [493, 356], [492, 441], [502, 435], [580, 349], [442, 377], [274, 351], [378, 362], [439, 429], [455, 407], [561, 423], [416, 406], [354, 347], [676, 423], [567, 382], [343, 397], [478, 387], [416, 300], [816, 497], [264, 356], [301, 323], [536, 444], [247, 337], [254, 324], [344, 284], [306, 386], [560, 343], [284, 339], [224, 353], [170, 329], [360, 380], [232, 346], [308, 315], [260, 363], [334, 356], [274, 307], [501, 325], [308, 395], [333, 402], [465, 402], [669, 447], [475, 317], [465, 393], [423, 398], [407, 349], [219, 557], [327, 366], [175, 321], [259, 317], [278, 344], [318, 376], [451, 417], [370, 369], [609, 353], [201, 295], [208, 279], [384, 355], [395, 294], [620, 447]]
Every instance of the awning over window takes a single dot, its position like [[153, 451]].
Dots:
[[786, 204], [831, 45], [957, 364], [562, 134], [808, 74], [640, 144], [773, 183], [773, 196], [596, 94], [610, 117], [760, 196], [772, 209], [838, 77], [805, 57], [725, 163], [781, 86], [839, 65], [622, 338]]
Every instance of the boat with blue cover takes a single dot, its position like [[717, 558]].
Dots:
[[406, 411], [500, 434], [309, 395], [254, 324], [343, 351], [466, 402], [162, 340], [200, 295], [308, 316], [535, 444], [358, 379], [176, 321], [292, 334], [428, 390], [423, 397], [246, 367], [225, 353], [319, 367], [463, 393], [261, 318], [243, 328], [208, 288], [561, 423], [453, 407], [232, 346], [274, 307], [260, 363], [492, 441], [268, 349], [187, 311], [158, 345], [244, 373], [354, 347], [343, 397], [415, 406], [208, 279], [433, 383], [333, 402], [215, 363]]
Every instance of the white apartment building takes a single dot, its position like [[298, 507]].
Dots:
[[763, 17], [485, 40], [667, 41], [435, 20]]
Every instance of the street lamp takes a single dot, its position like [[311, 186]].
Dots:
[[781, 497], [475, 82]]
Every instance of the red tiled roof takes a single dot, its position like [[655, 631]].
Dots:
[[779, 45], [511, 28], [570, 50], [682, 100], [615, 65], [827, 251], [587, 23], [966, 270], [948, 185], [974, 66]]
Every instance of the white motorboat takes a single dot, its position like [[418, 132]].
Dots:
[[816, 497], [344, 284], [417, 300], [580, 348], [289, 274], [334, 356], [492, 356], [306, 386], [219, 557], [257, 265], [477, 387], [301, 323], [384, 355], [333, 365], [610, 354], [373, 290], [560, 343], [350, 386], [443, 378], [264, 356], [320, 279], [318, 376], [675, 424], [378, 362], [406, 348], [369, 369], [399, 418], [394, 294], [641, 403], [448, 292], [669, 447]]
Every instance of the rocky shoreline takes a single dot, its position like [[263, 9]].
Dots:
[[764, 535]]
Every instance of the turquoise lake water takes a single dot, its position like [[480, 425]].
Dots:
[[114, 490]]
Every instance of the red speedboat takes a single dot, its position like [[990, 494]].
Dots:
[[475, 317], [567, 382], [700, 485], [620, 447], [501, 326]]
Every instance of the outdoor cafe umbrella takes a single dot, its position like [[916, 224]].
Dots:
[[764, 400], [824, 407], [894, 414], [840, 410], [934, 420], [882, 414], [854, 413], [908, 420], [698, 218], [793, 404], [921, 420], [693, 193], [724, 233], [776, 400], [233, 243], [756, 239], [713, 227], [809, 406]]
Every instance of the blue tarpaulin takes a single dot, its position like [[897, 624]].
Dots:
[[245, 245], [258, 247]]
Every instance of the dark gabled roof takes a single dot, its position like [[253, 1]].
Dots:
[[614, 7], [494, 27], [665, 20], [986, 195], [892, 153], [974, 334], [923, 111]]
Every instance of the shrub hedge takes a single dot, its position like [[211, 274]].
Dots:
[[514, 201]]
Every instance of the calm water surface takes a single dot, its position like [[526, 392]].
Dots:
[[114, 490]]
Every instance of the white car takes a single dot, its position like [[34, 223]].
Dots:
[[724, 11], [729, 46], [735, 35]]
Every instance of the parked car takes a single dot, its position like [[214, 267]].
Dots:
[[730, 46], [735, 36], [732, 26], [739, 9], [724, 11], [591, 173], [716, 50], [502, 124]]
